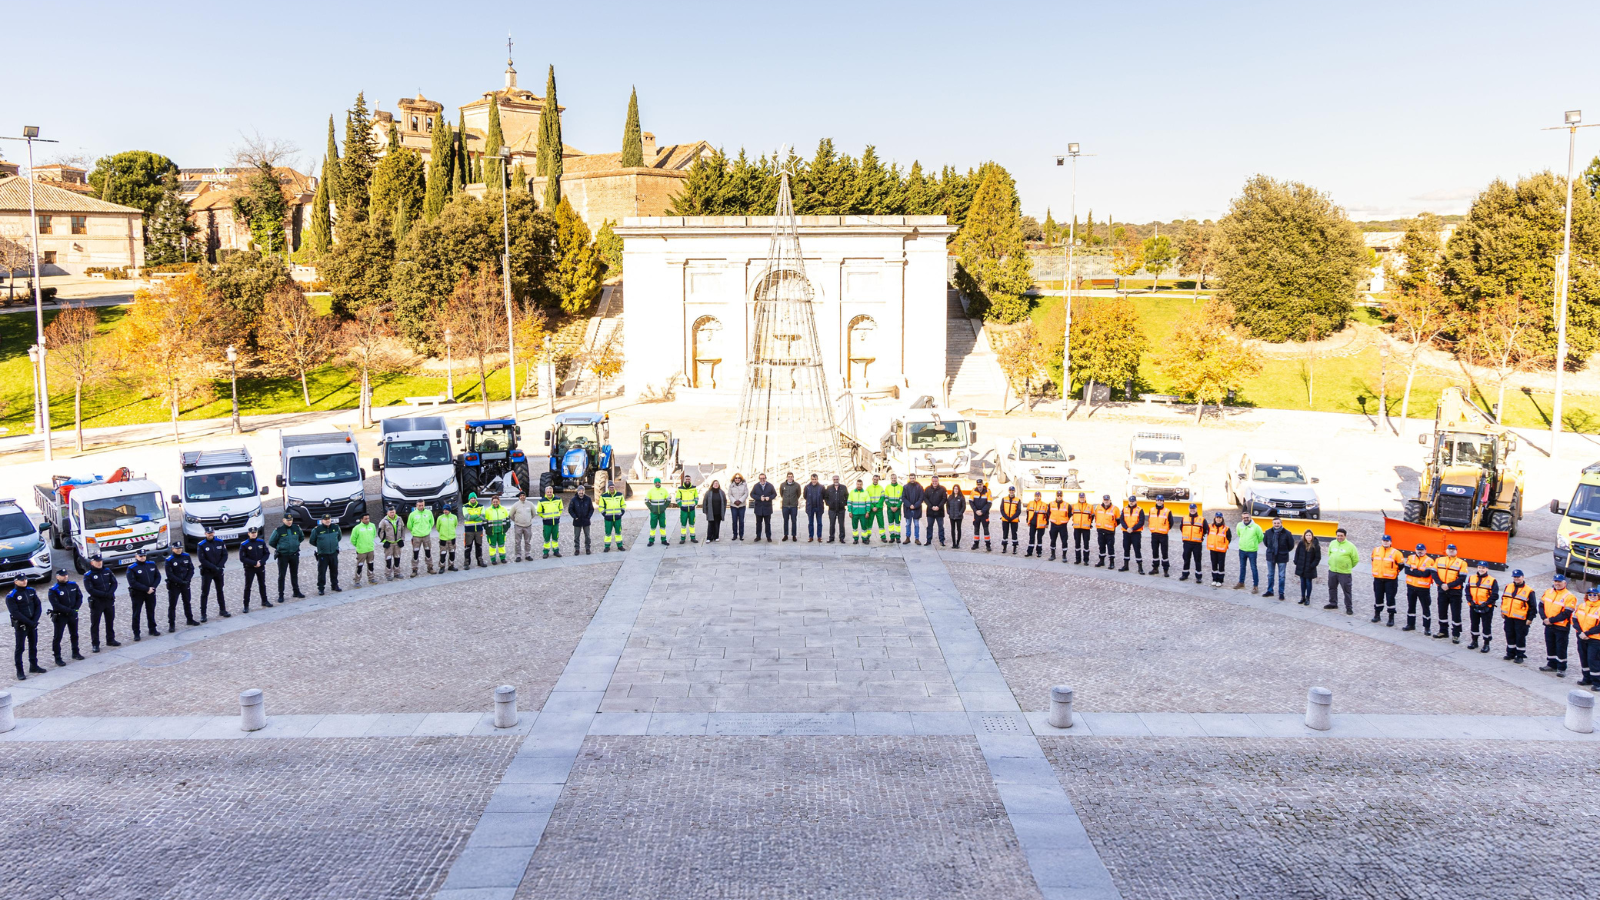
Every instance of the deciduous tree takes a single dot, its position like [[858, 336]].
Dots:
[[1127, 254], [475, 316], [1206, 358], [1158, 254], [239, 286], [1022, 357], [1500, 335], [1419, 317], [294, 337], [1421, 250], [15, 257], [369, 343], [1197, 252], [1108, 341], [164, 341], [76, 355]]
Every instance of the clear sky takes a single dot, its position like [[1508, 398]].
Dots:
[[1392, 107]]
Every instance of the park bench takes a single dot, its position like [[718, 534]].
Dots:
[[427, 401], [1102, 283], [1163, 399]]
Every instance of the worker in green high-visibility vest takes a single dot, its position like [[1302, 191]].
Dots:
[[891, 506], [875, 513], [549, 511], [860, 506], [612, 506], [656, 502], [688, 500]]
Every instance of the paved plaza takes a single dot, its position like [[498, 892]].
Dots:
[[740, 720]]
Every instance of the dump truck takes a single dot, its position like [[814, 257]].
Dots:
[[110, 517], [909, 438], [1470, 490]]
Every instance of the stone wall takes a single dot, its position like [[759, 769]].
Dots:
[[618, 194]]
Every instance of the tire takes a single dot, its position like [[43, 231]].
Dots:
[[78, 563], [544, 482], [1415, 511], [1502, 520], [519, 473], [55, 538], [1000, 476], [470, 480]]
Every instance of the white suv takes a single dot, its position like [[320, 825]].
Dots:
[[1264, 483]]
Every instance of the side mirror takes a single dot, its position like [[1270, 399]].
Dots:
[[1315, 480], [547, 438], [1555, 508], [363, 474], [44, 526], [376, 466], [1071, 457], [280, 481], [458, 434], [263, 492], [175, 500], [517, 430], [1011, 456], [1422, 439]]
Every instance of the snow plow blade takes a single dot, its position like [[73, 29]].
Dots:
[[1323, 529], [1489, 547]]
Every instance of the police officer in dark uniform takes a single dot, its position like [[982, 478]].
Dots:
[[101, 583], [65, 601], [23, 604], [213, 555], [180, 574], [253, 555], [144, 577]]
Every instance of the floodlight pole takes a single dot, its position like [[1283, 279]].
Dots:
[[30, 133], [1066, 331], [505, 272], [1574, 119]]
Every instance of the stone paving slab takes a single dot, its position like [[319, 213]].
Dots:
[[337, 819]]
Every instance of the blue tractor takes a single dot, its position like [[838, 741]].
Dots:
[[490, 462], [580, 452]]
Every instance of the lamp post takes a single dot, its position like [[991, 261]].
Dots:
[[449, 370], [1573, 121], [1383, 384], [233, 377], [1066, 332], [549, 387], [33, 369], [30, 133], [505, 271]]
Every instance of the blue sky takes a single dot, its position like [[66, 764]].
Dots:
[[1391, 107]]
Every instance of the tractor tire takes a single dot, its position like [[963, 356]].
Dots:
[[519, 474], [471, 480], [1415, 512], [1502, 520], [544, 482]]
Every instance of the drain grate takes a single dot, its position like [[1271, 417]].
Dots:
[[169, 658], [1001, 724]]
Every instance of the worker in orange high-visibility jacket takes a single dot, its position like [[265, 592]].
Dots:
[[1450, 571], [1387, 561], [1585, 621], [1517, 603], [1010, 519], [1419, 588], [1106, 517], [1192, 534], [1038, 521], [1060, 517], [1555, 608], [1483, 595], [1218, 537], [1132, 522], [1082, 525], [1159, 522]]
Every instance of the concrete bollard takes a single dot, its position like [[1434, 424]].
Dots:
[[1580, 712], [252, 710], [1319, 709], [8, 719], [1061, 707], [505, 706]]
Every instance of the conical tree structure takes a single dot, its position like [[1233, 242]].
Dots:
[[786, 419]]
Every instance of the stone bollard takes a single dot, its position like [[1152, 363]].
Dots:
[[252, 710], [1580, 712], [8, 719], [1061, 707], [1319, 709], [505, 706]]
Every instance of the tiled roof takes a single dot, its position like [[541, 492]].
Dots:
[[51, 199], [673, 157]]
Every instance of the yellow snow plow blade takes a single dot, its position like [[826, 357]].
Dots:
[[1321, 528]]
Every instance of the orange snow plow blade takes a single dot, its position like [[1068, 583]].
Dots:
[[1477, 546], [1326, 529]]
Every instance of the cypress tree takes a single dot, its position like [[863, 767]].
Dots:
[[461, 153], [394, 139], [440, 168], [402, 220], [493, 178], [360, 155], [519, 180], [550, 164], [330, 169], [632, 141], [319, 237]]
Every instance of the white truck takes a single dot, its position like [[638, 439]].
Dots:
[[111, 518], [916, 438], [322, 475], [219, 492], [1157, 467], [417, 463]]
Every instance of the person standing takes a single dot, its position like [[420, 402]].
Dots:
[[364, 541], [1106, 517], [815, 503], [392, 535], [1451, 572], [1517, 604], [496, 523], [1191, 537], [1132, 521], [1419, 589], [860, 512], [581, 510], [23, 605], [550, 510], [956, 505], [253, 556], [1585, 621], [875, 510], [179, 566], [688, 501], [612, 506], [1342, 559], [911, 498], [1387, 562], [285, 542], [446, 524], [144, 576], [980, 505], [1218, 537], [1038, 521], [1277, 543], [1307, 556], [324, 541], [522, 516], [65, 601], [789, 494], [1555, 608], [1483, 595], [762, 493], [1010, 520], [212, 555], [893, 498], [472, 527], [934, 499], [1249, 535], [655, 502], [835, 498], [738, 505], [1082, 522], [1060, 522], [101, 585], [715, 505], [419, 528], [1159, 521]]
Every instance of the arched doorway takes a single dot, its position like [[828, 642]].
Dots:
[[706, 352], [860, 341]]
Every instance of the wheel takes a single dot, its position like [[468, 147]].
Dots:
[[544, 482], [78, 563], [55, 538], [519, 474], [1415, 512], [470, 480], [1502, 520]]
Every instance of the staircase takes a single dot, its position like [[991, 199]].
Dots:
[[977, 379], [606, 325]]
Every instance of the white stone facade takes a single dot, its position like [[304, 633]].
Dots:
[[879, 283]]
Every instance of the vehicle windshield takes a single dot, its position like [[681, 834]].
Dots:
[[1466, 450], [208, 486], [936, 435], [417, 454], [331, 468], [490, 440], [116, 512], [653, 448], [16, 525], [569, 436], [1276, 473], [1148, 456], [1043, 453], [1585, 502]]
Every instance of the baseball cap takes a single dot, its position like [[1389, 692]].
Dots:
[[1105, 496], [1559, 577], [1421, 547], [60, 573], [1217, 515], [1449, 546], [1133, 498], [1516, 573], [1194, 507], [1387, 539]]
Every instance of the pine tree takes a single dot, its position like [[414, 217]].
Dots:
[[169, 226], [632, 141], [550, 164], [360, 156], [319, 236], [440, 167], [494, 178], [330, 174]]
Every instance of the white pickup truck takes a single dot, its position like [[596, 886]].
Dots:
[[111, 518], [1157, 467]]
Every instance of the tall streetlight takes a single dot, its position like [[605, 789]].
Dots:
[[1383, 384], [1573, 121], [1072, 240], [33, 369], [505, 271], [233, 376], [30, 133], [449, 370]]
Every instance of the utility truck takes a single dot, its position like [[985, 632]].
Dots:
[[915, 438], [1577, 553], [322, 475], [219, 492], [109, 517], [1157, 467], [417, 463]]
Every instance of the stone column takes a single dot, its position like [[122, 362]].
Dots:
[[505, 706], [1319, 709], [252, 710], [1061, 707]]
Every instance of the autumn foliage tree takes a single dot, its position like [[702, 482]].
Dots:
[[293, 336], [475, 316], [75, 355], [1206, 357], [368, 342], [165, 341], [1501, 335], [1419, 317]]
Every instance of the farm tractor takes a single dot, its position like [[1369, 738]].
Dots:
[[490, 462], [580, 453]]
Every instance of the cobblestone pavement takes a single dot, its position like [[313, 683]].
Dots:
[[791, 631], [733, 817], [1302, 820], [1136, 648], [341, 819], [427, 650]]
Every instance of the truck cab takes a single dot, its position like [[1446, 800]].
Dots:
[[219, 492], [321, 475], [1158, 468], [1265, 483], [23, 550], [1577, 553], [929, 441], [1037, 463], [417, 463], [115, 520]]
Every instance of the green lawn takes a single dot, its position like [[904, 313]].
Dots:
[[1344, 384]]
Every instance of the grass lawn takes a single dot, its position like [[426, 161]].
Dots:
[[1344, 384]]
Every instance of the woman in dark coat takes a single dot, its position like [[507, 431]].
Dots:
[[715, 503], [956, 505], [1307, 556]]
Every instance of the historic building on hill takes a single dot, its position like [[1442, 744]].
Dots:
[[210, 194], [76, 231]]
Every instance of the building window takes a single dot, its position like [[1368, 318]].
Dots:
[[430, 123], [862, 353], [80, 224], [707, 352], [44, 224], [49, 257]]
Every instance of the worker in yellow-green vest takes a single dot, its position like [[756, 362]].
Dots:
[[892, 507], [656, 502], [550, 510], [445, 523], [497, 521], [688, 499], [612, 506], [875, 512], [472, 531], [860, 506]]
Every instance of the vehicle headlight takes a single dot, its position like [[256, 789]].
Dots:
[[1562, 543], [1033, 471], [357, 495], [1313, 504], [41, 557], [295, 501], [192, 519]]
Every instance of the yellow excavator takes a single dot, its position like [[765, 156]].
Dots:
[[1470, 492]]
